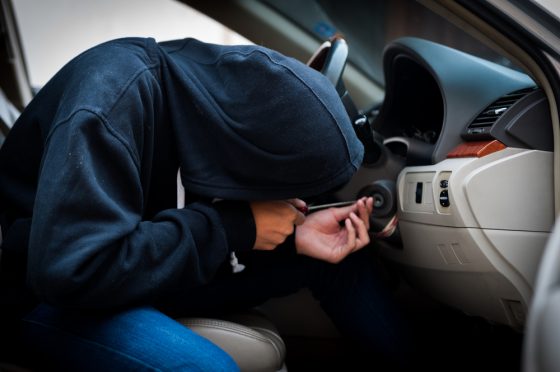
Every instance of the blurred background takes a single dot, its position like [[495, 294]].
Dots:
[[55, 31]]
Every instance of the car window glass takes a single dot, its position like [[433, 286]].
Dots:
[[54, 31], [369, 26], [552, 6]]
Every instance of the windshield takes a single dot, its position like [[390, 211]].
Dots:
[[377, 23]]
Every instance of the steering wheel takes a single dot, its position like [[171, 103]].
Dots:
[[330, 60]]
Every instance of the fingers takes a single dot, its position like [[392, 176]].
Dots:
[[362, 231], [299, 218], [295, 216], [350, 245], [363, 206], [357, 234], [299, 205], [364, 211], [343, 212], [274, 221], [334, 244]]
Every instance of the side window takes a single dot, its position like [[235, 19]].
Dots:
[[53, 32]]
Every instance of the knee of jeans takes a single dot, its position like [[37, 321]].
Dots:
[[139, 339]]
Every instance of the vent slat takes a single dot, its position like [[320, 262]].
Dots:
[[505, 102], [482, 124], [494, 106], [492, 113]]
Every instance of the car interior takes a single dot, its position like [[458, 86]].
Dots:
[[458, 126]]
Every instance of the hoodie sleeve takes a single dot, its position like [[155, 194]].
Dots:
[[90, 248]]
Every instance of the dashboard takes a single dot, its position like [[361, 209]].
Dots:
[[434, 92], [475, 143]]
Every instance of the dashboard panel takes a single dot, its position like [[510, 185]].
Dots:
[[470, 233], [433, 92]]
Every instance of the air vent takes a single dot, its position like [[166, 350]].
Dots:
[[483, 122]]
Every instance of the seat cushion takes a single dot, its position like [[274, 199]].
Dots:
[[249, 338]]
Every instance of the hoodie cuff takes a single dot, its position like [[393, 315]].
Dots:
[[238, 223]]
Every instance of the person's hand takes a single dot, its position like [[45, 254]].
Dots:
[[323, 237], [275, 221]]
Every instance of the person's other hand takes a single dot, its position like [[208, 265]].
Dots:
[[275, 221], [323, 237]]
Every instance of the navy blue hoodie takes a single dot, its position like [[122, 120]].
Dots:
[[88, 173]]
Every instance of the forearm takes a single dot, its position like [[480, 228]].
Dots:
[[95, 264], [89, 243]]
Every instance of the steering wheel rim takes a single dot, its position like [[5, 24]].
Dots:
[[330, 59]]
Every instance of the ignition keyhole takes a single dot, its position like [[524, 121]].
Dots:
[[378, 200]]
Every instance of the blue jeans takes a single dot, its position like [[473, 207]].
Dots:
[[351, 293], [139, 339]]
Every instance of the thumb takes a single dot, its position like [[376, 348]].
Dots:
[[300, 218], [298, 203], [344, 212]]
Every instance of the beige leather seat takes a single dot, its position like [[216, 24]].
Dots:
[[249, 338]]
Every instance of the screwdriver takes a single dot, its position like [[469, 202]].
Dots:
[[314, 208], [386, 232]]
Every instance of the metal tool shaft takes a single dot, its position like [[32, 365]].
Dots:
[[318, 207]]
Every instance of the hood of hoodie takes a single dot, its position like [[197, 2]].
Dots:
[[251, 123]]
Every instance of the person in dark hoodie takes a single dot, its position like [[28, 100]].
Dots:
[[97, 258]]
